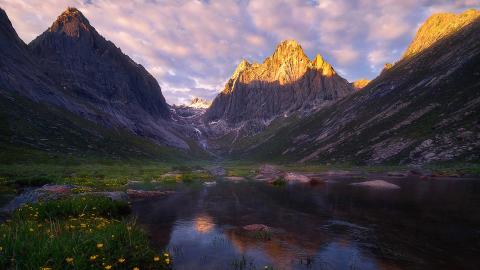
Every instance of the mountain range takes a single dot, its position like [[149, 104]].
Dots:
[[72, 92]]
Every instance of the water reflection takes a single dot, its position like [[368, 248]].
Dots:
[[203, 223], [424, 225]]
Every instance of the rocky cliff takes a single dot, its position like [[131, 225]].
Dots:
[[92, 68], [423, 109], [288, 81]]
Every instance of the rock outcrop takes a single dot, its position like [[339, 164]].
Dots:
[[285, 82]]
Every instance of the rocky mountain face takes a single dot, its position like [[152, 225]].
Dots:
[[73, 74], [288, 81], [95, 73], [422, 109], [439, 26]]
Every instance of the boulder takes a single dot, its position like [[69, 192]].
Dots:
[[256, 228], [378, 184], [296, 177]]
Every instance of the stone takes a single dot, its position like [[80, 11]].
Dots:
[[256, 228], [377, 184], [296, 177]]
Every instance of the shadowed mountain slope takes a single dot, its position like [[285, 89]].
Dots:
[[71, 91]]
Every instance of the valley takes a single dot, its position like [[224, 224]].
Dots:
[[290, 166]]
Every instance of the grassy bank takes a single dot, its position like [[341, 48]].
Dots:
[[107, 176], [76, 233]]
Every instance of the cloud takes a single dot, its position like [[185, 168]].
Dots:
[[192, 47]]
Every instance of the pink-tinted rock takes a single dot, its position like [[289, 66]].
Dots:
[[296, 177], [256, 228], [380, 184]]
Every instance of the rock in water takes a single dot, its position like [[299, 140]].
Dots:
[[256, 228], [380, 184], [296, 177]]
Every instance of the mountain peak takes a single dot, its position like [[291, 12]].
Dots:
[[319, 63], [199, 103], [288, 49], [244, 64], [71, 22], [361, 83], [439, 26], [8, 35]]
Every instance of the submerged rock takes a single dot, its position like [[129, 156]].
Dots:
[[256, 228], [380, 184]]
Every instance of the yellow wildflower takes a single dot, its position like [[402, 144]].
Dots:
[[93, 257], [121, 260], [165, 254], [99, 245], [167, 260], [45, 268], [156, 258], [108, 267], [136, 268], [69, 260]]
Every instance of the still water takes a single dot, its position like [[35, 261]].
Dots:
[[426, 224]]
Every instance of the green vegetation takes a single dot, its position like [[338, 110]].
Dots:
[[102, 176], [76, 233]]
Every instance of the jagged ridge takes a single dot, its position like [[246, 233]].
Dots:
[[285, 82]]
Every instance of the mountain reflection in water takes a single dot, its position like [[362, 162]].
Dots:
[[423, 225]]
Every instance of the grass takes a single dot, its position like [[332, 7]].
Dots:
[[107, 176], [76, 233]]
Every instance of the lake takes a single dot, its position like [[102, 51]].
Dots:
[[425, 224]]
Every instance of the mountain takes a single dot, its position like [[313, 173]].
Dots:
[[109, 87], [71, 92], [199, 103], [422, 109], [286, 82]]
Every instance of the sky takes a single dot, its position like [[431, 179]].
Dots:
[[193, 47]]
